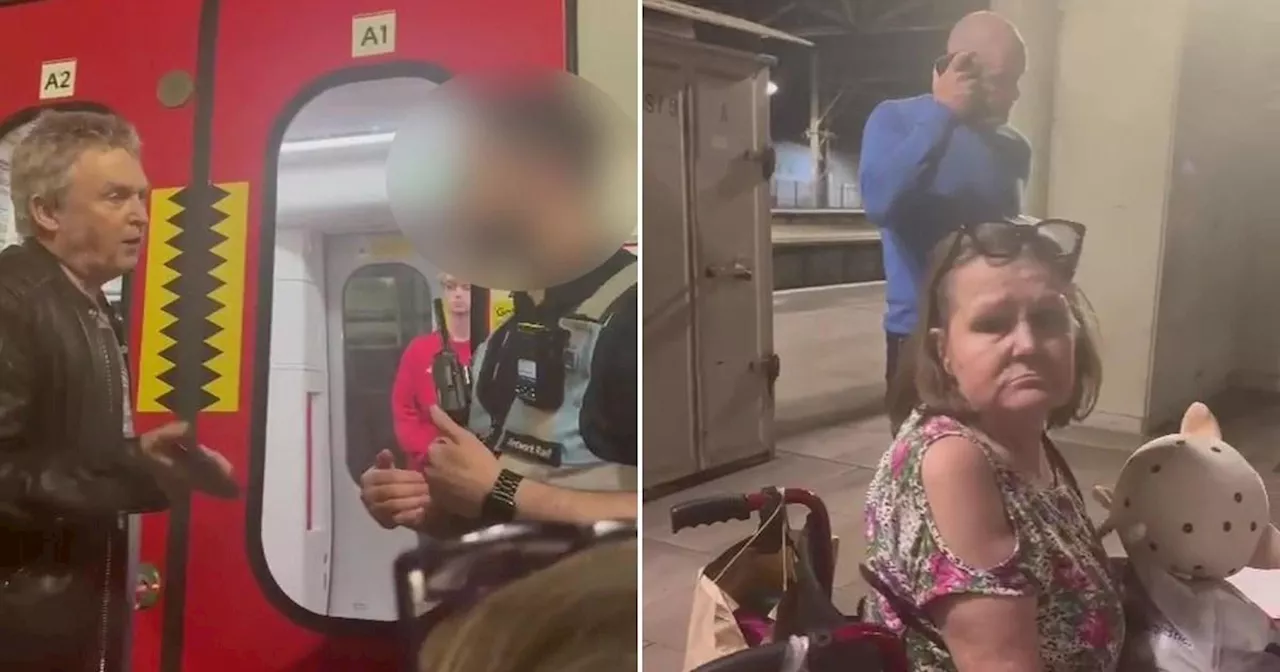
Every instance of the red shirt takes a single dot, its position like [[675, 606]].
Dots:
[[414, 394]]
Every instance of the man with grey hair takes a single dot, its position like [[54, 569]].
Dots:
[[71, 466]]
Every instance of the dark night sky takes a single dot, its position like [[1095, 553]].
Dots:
[[885, 51]]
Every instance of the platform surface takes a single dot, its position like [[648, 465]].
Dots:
[[831, 345]]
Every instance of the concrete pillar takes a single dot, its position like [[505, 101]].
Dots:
[[1217, 325], [1038, 21], [1114, 114], [607, 35]]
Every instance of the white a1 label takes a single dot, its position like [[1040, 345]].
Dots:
[[373, 34]]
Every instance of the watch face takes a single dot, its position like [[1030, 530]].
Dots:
[[500, 505]]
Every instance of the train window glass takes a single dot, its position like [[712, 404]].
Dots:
[[384, 307], [349, 295]]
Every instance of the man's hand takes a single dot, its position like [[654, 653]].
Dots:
[[392, 496], [164, 444], [460, 470], [958, 87]]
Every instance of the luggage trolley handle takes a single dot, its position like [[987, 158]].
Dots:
[[723, 508], [712, 510]]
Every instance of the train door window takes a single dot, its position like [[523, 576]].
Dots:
[[384, 307], [348, 296]]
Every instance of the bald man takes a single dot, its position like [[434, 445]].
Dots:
[[933, 163]]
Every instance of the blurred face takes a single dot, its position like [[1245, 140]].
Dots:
[[457, 296], [97, 229], [539, 228], [1009, 340], [1002, 63]]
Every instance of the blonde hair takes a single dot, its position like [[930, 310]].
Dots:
[[578, 615], [42, 160]]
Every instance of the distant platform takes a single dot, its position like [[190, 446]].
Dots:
[[817, 234], [821, 212], [813, 248]]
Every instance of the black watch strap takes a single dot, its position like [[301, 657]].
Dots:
[[500, 505]]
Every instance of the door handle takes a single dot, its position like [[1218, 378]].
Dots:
[[737, 269], [767, 156], [147, 591], [771, 367]]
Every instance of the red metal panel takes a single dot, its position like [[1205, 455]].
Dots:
[[122, 50], [268, 54]]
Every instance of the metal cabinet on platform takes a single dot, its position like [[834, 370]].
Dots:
[[709, 366]]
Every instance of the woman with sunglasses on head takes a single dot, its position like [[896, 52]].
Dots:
[[973, 520]]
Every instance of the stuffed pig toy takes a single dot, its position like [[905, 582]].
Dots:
[[1191, 511]]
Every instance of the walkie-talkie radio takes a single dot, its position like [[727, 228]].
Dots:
[[540, 364], [451, 376]]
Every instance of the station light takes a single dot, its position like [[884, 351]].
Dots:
[[771, 88]]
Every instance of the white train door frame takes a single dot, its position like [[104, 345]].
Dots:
[[362, 550]]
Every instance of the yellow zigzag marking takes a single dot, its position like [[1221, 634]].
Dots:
[[227, 342], [155, 300], [229, 316]]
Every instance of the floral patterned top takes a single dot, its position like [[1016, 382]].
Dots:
[[1057, 556]]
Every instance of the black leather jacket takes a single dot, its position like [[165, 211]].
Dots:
[[67, 473]]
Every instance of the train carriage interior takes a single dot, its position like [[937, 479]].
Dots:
[[349, 294]]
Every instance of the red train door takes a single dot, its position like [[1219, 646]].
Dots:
[[312, 295]]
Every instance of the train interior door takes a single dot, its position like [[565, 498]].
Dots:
[[379, 299], [349, 295]]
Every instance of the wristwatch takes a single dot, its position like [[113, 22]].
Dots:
[[500, 505]]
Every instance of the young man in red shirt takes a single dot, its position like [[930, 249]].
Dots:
[[414, 392]]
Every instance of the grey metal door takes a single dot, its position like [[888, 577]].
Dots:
[[668, 302], [733, 266]]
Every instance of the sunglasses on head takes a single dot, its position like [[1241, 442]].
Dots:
[[1058, 241], [442, 578]]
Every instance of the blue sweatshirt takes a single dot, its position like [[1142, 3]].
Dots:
[[923, 175]]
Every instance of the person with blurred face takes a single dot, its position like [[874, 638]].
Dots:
[[71, 465], [552, 431], [935, 162], [541, 137], [414, 391]]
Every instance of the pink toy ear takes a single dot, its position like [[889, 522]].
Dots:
[[1199, 421], [1267, 555]]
